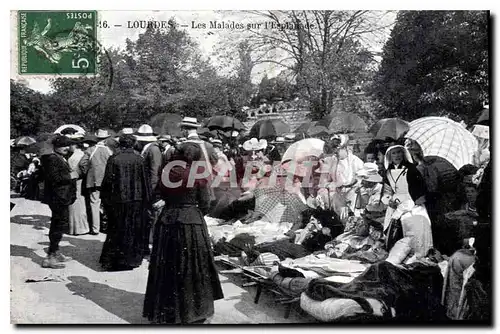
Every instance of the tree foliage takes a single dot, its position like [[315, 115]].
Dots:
[[162, 71], [435, 62], [275, 89], [27, 110], [325, 49]]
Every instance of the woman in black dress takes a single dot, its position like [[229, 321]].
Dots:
[[125, 190], [183, 281]]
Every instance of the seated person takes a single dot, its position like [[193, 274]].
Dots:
[[369, 190], [321, 228], [369, 248], [462, 222], [462, 259]]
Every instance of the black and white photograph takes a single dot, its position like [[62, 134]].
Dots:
[[251, 167]]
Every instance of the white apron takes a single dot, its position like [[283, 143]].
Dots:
[[414, 218]]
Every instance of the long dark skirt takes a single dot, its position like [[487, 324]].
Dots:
[[183, 281], [123, 248]]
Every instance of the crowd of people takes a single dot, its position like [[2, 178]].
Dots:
[[408, 200]]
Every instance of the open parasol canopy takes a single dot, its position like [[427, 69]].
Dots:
[[166, 124], [43, 144], [269, 128], [343, 122], [302, 149], [303, 129], [394, 128], [377, 125], [222, 122], [445, 138], [77, 128], [24, 141], [319, 131]]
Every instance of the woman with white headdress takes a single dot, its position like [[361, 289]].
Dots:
[[404, 193]]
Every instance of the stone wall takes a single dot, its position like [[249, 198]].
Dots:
[[292, 117]]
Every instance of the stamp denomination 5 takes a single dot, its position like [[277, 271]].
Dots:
[[57, 42]]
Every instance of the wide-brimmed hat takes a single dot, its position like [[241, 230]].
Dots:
[[340, 137], [102, 134], [165, 138], [62, 141], [279, 140], [387, 158], [254, 144], [77, 137], [326, 165], [126, 131], [145, 133], [90, 138], [369, 173], [216, 142], [190, 122]]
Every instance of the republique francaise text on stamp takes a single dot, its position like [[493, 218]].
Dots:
[[57, 42]]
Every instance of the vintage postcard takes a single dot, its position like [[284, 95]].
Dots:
[[250, 167]]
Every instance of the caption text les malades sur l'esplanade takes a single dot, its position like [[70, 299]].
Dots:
[[218, 25]]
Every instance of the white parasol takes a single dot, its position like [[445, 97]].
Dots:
[[72, 126], [297, 157], [445, 138], [304, 148]]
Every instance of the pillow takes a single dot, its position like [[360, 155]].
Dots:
[[400, 251], [334, 308]]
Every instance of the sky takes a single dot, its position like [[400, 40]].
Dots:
[[122, 26]]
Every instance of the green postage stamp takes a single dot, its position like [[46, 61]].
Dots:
[[57, 42]]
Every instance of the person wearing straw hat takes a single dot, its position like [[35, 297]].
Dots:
[[59, 194], [328, 194], [189, 127], [348, 165], [147, 144], [167, 143], [369, 190], [93, 165], [256, 160]]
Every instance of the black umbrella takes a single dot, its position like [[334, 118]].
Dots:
[[222, 122], [377, 125], [393, 128], [166, 124], [304, 128], [43, 144], [343, 122], [24, 141], [269, 128]]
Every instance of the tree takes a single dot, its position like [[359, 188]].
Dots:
[[325, 49], [28, 110], [273, 89], [162, 71], [435, 63]]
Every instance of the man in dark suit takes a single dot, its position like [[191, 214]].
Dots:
[[60, 193]]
